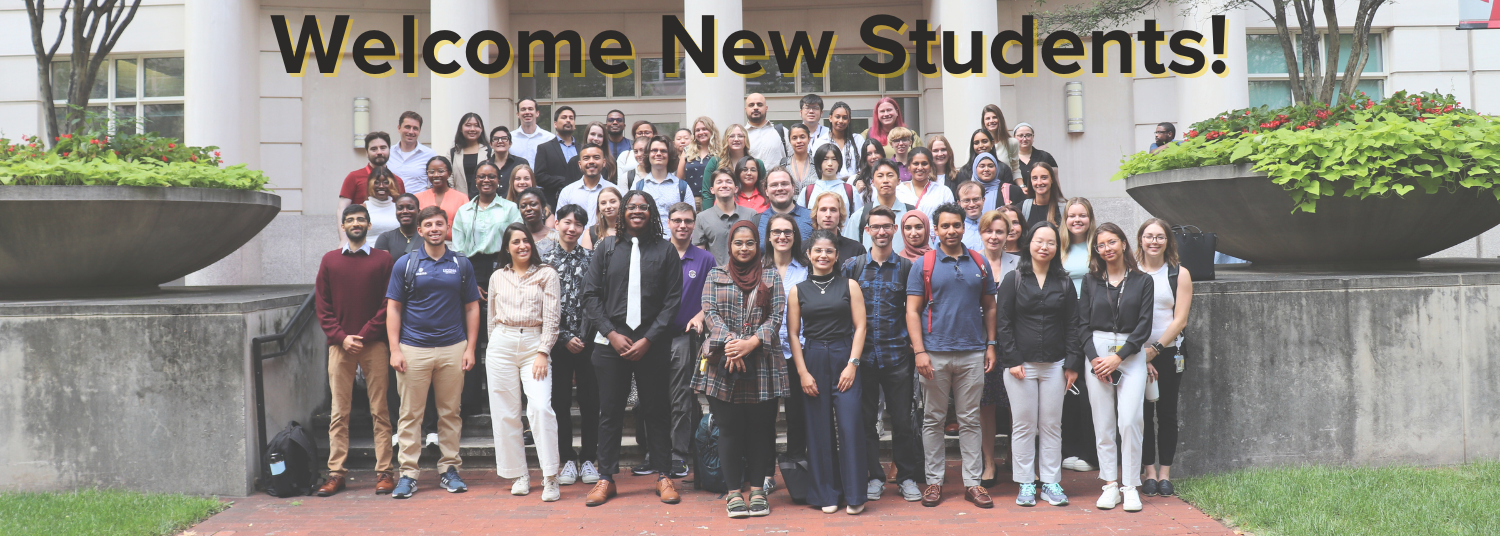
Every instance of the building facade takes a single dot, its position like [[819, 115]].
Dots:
[[211, 72]]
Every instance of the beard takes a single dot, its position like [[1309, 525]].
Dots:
[[355, 234], [566, 132], [378, 160]]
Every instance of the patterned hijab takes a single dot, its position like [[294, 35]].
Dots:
[[747, 275], [911, 252]]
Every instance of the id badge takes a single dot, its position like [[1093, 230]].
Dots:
[[1115, 349]]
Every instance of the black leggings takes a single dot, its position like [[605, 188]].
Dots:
[[1165, 410], [569, 369], [743, 429]]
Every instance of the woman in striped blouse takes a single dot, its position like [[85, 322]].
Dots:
[[524, 312], [743, 303]]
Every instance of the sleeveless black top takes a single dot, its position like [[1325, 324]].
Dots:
[[826, 311]]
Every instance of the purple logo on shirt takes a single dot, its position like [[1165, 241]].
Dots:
[[692, 274]]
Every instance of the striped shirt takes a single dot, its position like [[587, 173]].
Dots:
[[728, 319], [526, 300]]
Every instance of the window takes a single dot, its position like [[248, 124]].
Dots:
[[144, 87], [1269, 82], [844, 75]]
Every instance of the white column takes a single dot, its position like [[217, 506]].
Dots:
[[452, 97], [221, 85], [964, 97], [1208, 94], [719, 96]]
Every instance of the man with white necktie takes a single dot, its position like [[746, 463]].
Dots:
[[631, 294]]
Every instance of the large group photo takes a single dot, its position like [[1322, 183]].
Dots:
[[254, 283]]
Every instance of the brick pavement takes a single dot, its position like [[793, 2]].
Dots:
[[488, 508]]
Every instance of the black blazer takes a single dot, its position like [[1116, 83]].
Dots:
[[552, 171]]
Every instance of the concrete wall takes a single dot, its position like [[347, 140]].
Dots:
[[1343, 369], [151, 393]]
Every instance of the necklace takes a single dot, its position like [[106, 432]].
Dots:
[[822, 287]]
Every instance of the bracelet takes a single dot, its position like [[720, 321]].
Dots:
[[919, 352]]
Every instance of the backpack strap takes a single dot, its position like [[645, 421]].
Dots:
[[849, 192], [781, 136], [807, 194], [929, 259], [1172, 272], [1005, 191], [409, 281], [682, 191], [974, 256], [1026, 209]]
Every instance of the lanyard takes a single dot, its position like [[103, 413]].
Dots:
[[1119, 299]]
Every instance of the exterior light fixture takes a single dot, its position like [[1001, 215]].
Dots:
[[1073, 103], [361, 121]]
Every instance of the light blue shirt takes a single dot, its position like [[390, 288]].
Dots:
[[666, 193], [972, 240], [852, 231], [795, 273], [1077, 264], [411, 167], [524, 145], [808, 199], [569, 150]]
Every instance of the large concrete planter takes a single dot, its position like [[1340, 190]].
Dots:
[[1253, 217], [91, 239]]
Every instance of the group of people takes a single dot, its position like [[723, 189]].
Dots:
[[668, 268]]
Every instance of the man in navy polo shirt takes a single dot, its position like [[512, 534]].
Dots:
[[432, 309], [953, 357]]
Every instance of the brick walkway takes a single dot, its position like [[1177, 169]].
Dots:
[[488, 508]]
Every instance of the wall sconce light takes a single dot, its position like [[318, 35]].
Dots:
[[361, 121], [1073, 103]]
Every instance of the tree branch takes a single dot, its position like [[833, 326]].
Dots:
[[1095, 15]]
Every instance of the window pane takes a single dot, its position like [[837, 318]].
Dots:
[[589, 86], [846, 75], [907, 81], [770, 81], [164, 119], [1274, 94], [125, 79], [1374, 89], [656, 84], [535, 85], [1265, 55], [62, 81], [667, 129], [809, 82], [543, 116], [97, 114], [125, 120], [1346, 46], [624, 86], [164, 78]]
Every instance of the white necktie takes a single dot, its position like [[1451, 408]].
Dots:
[[633, 291]]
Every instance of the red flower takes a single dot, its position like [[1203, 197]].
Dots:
[[216, 153], [65, 154], [1191, 134], [1422, 119], [163, 159], [193, 158], [171, 146], [1301, 127], [67, 136], [33, 145]]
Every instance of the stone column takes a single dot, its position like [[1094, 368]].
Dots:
[[964, 97], [221, 85], [454, 96], [719, 96]]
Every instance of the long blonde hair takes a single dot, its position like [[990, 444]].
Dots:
[[715, 142], [948, 168], [722, 150], [1066, 238]]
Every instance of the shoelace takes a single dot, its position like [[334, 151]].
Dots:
[[1028, 489], [1055, 489]]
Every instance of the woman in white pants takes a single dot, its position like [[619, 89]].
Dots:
[[524, 312], [1037, 339], [1114, 319]]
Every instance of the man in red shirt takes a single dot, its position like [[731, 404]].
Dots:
[[378, 150], [350, 299]]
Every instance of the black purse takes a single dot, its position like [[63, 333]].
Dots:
[[1195, 249]]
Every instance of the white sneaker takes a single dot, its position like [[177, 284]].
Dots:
[[1074, 463], [590, 473], [1110, 498], [568, 475], [550, 493], [521, 486], [396, 441], [1068, 462], [830, 509], [1132, 498], [432, 439], [854, 510]]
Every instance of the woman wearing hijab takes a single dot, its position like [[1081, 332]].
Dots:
[[743, 304], [916, 234], [998, 192]]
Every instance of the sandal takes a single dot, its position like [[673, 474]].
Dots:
[[759, 506], [735, 505]]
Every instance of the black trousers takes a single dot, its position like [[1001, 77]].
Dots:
[[1078, 424], [743, 430], [906, 445], [569, 369], [1164, 427], [796, 420], [651, 373], [476, 397]]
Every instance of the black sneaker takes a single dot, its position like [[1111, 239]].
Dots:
[[526, 437], [643, 468], [679, 469], [1148, 488], [451, 482], [1165, 488]]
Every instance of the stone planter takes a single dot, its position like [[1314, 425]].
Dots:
[[113, 239], [1253, 219]]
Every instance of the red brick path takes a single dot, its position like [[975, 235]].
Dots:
[[488, 508]]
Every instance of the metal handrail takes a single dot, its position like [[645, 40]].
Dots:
[[284, 341]]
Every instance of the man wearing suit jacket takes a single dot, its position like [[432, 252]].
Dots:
[[552, 169]]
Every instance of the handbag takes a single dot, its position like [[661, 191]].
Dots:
[[797, 476], [1195, 249]]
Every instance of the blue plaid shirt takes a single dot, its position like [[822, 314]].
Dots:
[[884, 287]]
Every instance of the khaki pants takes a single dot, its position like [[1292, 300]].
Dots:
[[440, 369], [374, 359]]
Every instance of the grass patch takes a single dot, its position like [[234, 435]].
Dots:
[[1321, 501], [111, 512]]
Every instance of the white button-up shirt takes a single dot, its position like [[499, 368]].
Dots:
[[524, 145], [411, 167]]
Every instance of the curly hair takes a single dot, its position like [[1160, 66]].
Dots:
[[653, 230]]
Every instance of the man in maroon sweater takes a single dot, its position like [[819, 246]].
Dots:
[[350, 292]]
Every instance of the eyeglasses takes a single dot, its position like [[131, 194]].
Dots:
[[638, 207], [500, 139], [781, 232], [658, 151], [881, 227], [615, 120], [1025, 135], [682, 221], [1110, 244], [1153, 238]]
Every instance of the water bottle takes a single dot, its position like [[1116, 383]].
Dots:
[[1153, 392], [278, 464]]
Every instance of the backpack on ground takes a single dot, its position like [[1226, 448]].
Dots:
[[290, 456], [708, 473], [797, 476], [929, 260]]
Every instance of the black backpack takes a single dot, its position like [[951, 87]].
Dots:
[[294, 473], [709, 473]]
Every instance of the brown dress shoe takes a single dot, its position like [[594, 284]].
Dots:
[[932, 495], [384, 484], [334, 485], [602, 492], [979, 496], [667, 491]]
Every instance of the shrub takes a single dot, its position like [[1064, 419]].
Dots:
[[1357, 149], [96, 158]]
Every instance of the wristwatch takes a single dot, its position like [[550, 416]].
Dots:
[[1158, 347], [992, 343], [854, 361]]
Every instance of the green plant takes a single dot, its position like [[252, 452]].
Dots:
[[96, 511], [97, 158], [1358, 149]]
